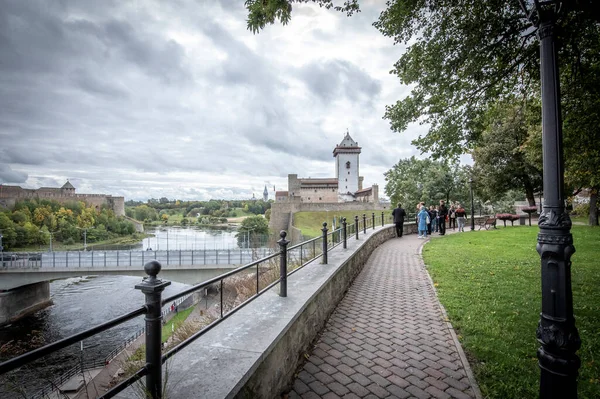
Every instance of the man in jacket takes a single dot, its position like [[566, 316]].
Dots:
[[442, 213], [399, 215]]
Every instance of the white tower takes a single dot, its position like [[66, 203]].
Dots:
[[347, 167]]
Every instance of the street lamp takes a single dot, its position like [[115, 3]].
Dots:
[[472, 205], [556, 330], [49, 232], [85, 229]]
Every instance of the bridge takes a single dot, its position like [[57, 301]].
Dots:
[[25, 277]]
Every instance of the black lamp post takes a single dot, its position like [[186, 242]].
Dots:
[[556, 330], [472, 206]]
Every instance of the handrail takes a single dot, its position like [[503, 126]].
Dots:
[[152, 288]]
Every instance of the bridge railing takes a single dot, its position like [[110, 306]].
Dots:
[[236, 289], [67, 259]]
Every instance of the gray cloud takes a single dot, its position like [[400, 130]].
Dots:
[[178, 99], [333, 79], [7, 175]]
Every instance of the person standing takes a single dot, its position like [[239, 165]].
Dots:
[[399, 214], [452, 217], [461, 217], [433, 218], [422, 217], [442, 213]]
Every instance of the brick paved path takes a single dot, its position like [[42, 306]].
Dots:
[[387, 338]]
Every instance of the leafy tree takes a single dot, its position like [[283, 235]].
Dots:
[[413, 180], [501, 163], [7, 228], [255, 226]]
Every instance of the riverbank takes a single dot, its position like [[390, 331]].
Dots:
[[59, 246]]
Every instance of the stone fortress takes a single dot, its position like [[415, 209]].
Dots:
[[340, 193], [9, 195]]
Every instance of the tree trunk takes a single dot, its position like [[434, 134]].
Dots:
[[529, 194], [593, 219]]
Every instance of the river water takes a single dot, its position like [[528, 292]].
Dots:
[[83, 302]]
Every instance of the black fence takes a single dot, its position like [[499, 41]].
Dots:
[[258, 277]]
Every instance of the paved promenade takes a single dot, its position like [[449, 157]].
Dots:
[[388, 338]]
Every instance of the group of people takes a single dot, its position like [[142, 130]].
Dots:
[[433, 219]]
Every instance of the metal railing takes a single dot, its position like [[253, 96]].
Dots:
[[77, 259], [259, 276]]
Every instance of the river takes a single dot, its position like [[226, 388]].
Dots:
[[83, 302]]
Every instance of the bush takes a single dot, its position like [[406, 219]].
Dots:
[[581, 210]]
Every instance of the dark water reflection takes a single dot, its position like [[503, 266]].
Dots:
[[79, 303]]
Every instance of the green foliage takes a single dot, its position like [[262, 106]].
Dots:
[[501, 163], [31, 223], [263, 12], [493, 296], [256, 226], [413, 180]]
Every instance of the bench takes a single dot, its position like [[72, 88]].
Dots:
[[487, 223]]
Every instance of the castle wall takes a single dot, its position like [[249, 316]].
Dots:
[[318, 194], [282, 212], [9, 195]]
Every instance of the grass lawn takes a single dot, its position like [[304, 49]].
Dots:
[[177, 320], [311, 223], [489, 283]]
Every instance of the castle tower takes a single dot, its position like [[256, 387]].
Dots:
[[67, 188], [347, 167], [266, 195]]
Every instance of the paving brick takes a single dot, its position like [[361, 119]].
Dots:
[[382, 362], [437, 383], [311, 368], [361, 379], [397, 391], [379, 380], [455, 383], [338, 388], [418, 392], [417, 381], [311, 395], [437, 393], [363, 370], [349, 361], [342, 378], [324, 378], [300, 387], [318, 387], [399, 381], [331, 395], [358, 389], [384, 372], [378, 391], [305, 377], [456, 394]]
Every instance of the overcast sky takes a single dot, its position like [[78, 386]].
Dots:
[[177, 99]]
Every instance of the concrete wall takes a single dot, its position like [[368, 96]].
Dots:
[[21, 301]]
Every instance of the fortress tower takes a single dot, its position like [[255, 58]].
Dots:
[[347, 168]]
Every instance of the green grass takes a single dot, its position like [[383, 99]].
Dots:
[[311, 223], [489, 283], [177, 320]]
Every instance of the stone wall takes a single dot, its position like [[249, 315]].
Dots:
[[21, 301], [281, 211]]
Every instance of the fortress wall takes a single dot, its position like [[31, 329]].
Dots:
[[282, 218]]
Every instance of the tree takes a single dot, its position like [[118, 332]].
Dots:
[[253, 227], [413, 180], [501, 163]]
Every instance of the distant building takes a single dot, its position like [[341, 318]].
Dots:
[[10, 195], [347, 186], [266, 195]]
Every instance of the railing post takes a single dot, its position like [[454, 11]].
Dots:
[[364, 224], [356, 225], [152, 288], [373, 216], [382, 220], [344, 232], [283, 263], [324, 230]]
